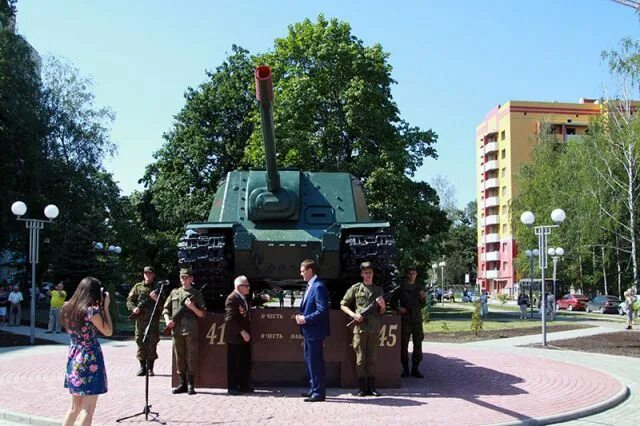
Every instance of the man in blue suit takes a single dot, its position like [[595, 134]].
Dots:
[[314, 324]]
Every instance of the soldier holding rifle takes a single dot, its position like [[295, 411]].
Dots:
[[368, 301], [141, 300], [181, 312], [409, 302]]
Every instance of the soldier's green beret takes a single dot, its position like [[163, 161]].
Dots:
[[149, 269], [186, 271]]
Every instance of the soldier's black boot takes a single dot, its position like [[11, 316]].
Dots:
[[143, 369], [371, 387], [405, 371], [416, 373], [182, 387], [150, 367], [192, 391], [362, 383]]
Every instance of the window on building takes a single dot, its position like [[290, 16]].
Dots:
[[504, 172], [504, 191], [504, 247], [571, 130], [504, 228], [503, 135], [504, 266], [503, 154], [504, 209]]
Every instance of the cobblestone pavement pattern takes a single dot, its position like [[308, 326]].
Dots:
[[492, 382]]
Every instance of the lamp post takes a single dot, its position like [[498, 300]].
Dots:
[[34, 225], [555, 253], [543, 232], [106, 249], [434, 268], [442, 265], [531, 254]]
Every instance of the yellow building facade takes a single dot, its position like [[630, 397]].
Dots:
[[504, 141]]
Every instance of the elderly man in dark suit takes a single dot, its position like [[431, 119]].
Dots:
[[314, 324], [238, 335]]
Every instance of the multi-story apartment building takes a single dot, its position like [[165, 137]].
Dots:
[[504, 141]]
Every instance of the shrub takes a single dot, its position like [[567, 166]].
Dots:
[[476, 319]]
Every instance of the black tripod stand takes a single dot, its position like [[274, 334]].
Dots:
[[147, 408]]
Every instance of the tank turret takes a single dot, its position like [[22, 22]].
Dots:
[[263, 223], [273, 201]]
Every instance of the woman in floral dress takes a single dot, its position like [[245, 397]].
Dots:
[[86, 378]]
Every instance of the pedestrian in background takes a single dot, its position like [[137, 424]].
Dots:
[[4, 302], [86, 378], [629, 298], [484, 304], [523, 303], [58, 296], [15, 301]]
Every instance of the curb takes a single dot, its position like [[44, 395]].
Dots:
[[615, 400], [27, 419]]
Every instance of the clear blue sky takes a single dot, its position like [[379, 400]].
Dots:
[[453, 60]]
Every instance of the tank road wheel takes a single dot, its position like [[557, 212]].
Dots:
[[209, 255], [376, 246]]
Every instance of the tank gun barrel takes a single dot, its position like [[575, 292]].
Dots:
[[264, 95]]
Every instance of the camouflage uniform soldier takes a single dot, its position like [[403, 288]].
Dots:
[[140, 302], [181, 312], [360, 296], [409, 301]]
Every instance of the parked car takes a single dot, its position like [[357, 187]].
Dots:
[[603, 304], [572, 302], [470, 296], [622, 307]]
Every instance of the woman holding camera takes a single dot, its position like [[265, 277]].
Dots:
[[83, 315]]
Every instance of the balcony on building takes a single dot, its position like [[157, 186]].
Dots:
[[491, 238], [490, 147], [490, 165], [491, 274], [492, 256], [491, 202], [493, 219], [491, 183]]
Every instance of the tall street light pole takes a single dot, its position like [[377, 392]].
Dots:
[[34, 225], [555, 253], [442, 265], [543, 232], [434, 268], [531, 254]]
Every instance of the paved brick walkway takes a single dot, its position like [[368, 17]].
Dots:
[[463, 386]]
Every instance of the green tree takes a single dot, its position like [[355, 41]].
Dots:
[[21, 127], [334, 112], [207, 141]]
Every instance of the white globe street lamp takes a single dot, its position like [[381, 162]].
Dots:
[[34, 225], [542, 232]]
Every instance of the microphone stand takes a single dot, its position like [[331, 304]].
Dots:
[[147, 408]]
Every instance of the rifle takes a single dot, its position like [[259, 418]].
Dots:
[[183, 312], [148, 301], [374, 306]]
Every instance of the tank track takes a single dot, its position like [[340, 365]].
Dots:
[[375, 246], [210, 257]]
